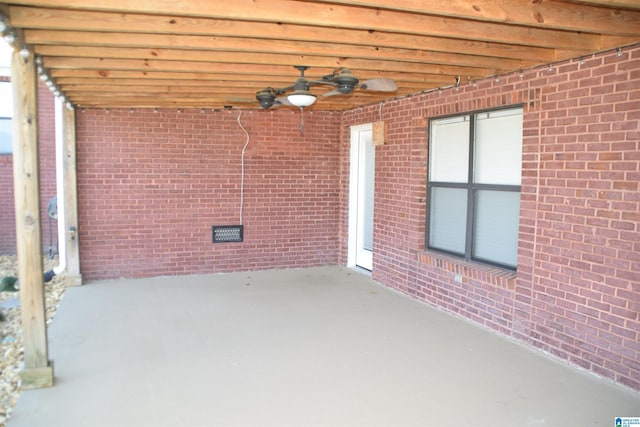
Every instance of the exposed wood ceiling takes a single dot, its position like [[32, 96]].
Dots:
[[196, 53]]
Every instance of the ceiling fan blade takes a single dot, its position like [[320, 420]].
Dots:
[[332, 93], [379, 85], [242, 100]]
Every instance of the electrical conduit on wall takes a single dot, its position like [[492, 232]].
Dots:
[[244, 149]]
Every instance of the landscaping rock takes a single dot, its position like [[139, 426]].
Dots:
[[11, 346]]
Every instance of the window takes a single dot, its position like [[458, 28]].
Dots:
[[475, 163], [6, 108]]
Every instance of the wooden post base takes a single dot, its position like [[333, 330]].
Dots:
[[37, 377], [73, 280]]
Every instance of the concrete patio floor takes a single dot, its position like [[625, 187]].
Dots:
[[303, 347]]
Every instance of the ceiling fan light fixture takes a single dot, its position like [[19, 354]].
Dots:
[[301, 98]]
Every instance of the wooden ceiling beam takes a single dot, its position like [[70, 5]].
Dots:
[[540, 14], [201, 109], [318, 91], [67, 84], [128, 100], [89, 83], [426, 65], [107, 66], [100, 90], [141, 94], [209, 103], [230, 94], [187, 31], [148, 77], [344, 16], [610, 42], [228, 64], [620, 4], [116, 87], [157, 43], [163, 52]]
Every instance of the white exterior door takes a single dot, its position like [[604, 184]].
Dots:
[[362, 183]]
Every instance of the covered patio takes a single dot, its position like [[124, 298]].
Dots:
[[323, 346], [175, 120]]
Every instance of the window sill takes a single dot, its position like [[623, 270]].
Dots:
[[465, 270]]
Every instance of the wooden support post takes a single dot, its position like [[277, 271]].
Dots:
[[73, 276], [37, 370]]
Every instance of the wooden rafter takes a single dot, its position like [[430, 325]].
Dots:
[[546, 14], [166, 48]]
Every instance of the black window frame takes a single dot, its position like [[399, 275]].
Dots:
[[471, 187]]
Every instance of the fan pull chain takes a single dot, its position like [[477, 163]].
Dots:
[[302, 120]]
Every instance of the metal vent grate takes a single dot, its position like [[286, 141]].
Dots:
[[227, 233]]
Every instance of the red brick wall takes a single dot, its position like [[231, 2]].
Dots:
[[576, 293], [46, 121], [7, 207], [151, 185]]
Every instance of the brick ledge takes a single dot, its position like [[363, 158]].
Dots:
[[486, 273]]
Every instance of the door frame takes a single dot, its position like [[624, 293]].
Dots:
[[353, 191]]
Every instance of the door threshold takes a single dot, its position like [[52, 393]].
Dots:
[[361, 270]]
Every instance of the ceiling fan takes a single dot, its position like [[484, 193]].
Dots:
[[341, 79]]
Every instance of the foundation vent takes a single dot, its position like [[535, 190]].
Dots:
[[227, 233]]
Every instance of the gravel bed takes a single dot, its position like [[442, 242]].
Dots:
[[11, 347]]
